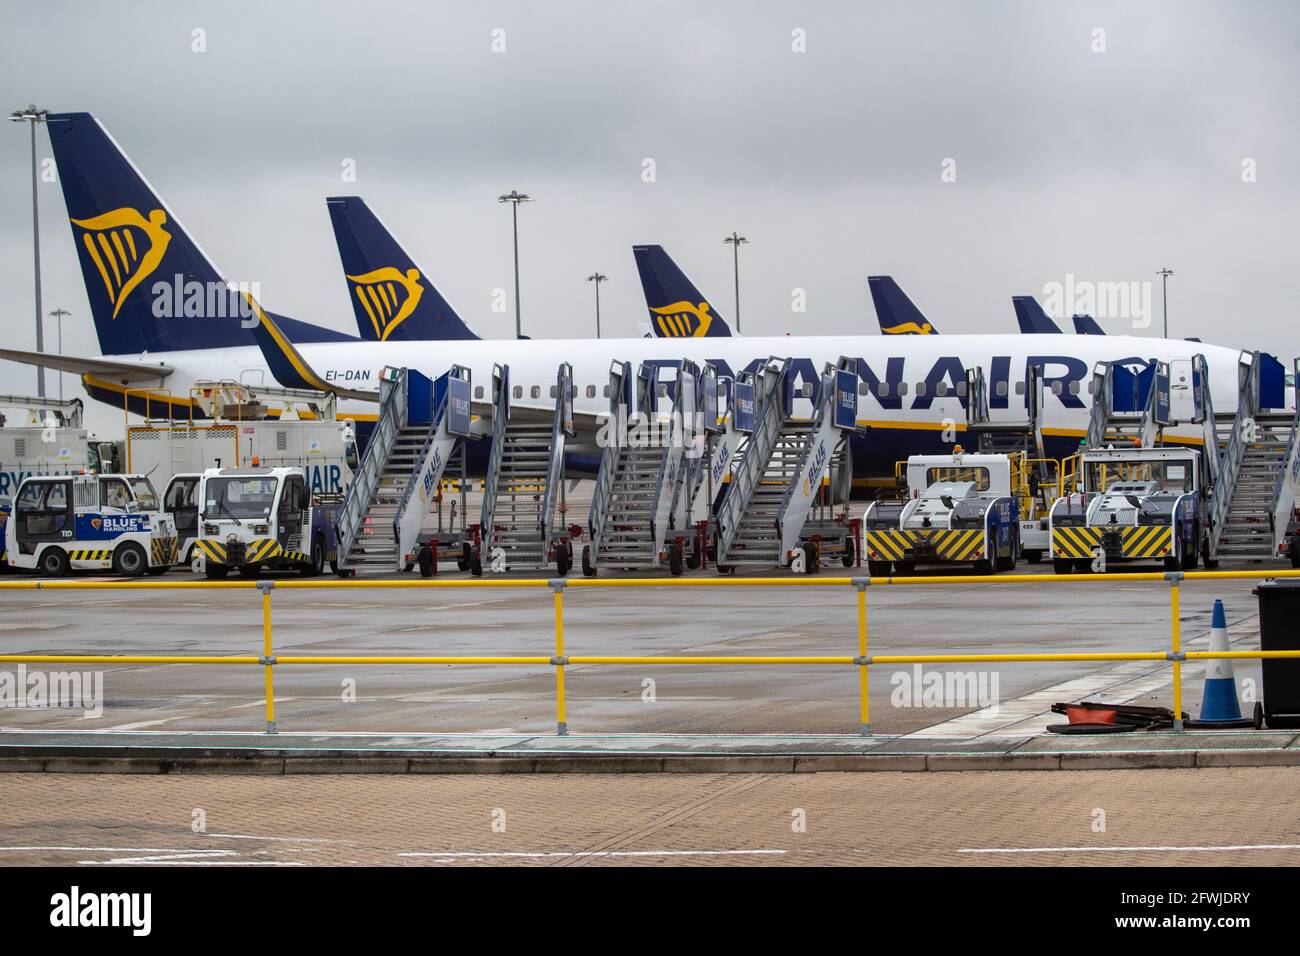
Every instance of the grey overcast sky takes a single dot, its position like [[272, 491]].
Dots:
[[1105, 164]]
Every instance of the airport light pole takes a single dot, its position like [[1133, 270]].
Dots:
[[58, 316], [515, 197], [735, 240], [31, 115], [597, 278], [1164, 275]]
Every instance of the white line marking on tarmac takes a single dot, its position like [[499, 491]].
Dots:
[[278, 839], [139, 724], [561, 854], [1126, 681], [1134, 849]]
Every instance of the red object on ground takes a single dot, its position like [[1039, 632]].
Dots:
[[1089, 715]]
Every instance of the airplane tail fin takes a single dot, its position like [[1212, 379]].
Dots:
[[1086, 325], [677, 309], [1033, 320], [393, 298], [151, 288], [895, 311]]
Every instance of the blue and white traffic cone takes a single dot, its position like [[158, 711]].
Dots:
[[1219, 699]]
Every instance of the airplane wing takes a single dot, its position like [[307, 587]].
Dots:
[[102, 367]]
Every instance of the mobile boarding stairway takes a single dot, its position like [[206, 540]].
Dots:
[[635, 522], [780, 470], [421, 424], [1251, 508], [521, 524], [1010, 435]]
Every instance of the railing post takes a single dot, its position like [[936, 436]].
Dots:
[[268, 658], [1176, 652], [561, 726], [863, 662]]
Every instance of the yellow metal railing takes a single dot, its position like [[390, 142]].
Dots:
[[863, 660]]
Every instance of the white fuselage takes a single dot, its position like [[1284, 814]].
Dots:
[[913, 366]]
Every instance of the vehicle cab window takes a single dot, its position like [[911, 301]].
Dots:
[[114, 493], [181, 495]]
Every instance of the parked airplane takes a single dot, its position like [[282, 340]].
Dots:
[[1086, 325], [393, 298], [677, 308], [895, 311], [912, 387], [1033, 320]]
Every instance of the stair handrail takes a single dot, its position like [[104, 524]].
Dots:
[[698, 453], [1288, 476], [1230, 463], [769, 382], [825, 407], [977, 397], [662, 509], [1211, 455], [392, 419], [418, 474], [615, 432], [1100, 412], [500, 419], [561, 427]]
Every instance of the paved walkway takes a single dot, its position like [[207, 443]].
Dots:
[[1213, 817]]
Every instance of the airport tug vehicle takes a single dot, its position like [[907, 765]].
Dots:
[[88, 522], [960, 509], [250, 519], [1130, 505]]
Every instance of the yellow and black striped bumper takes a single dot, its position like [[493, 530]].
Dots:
[[162, 551], [939, 544], [1149, 541], [211, 549], [91, 554], [257, 552]]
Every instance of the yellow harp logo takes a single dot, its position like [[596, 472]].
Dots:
[[908, 328], [388, 297], [682, 320], [125, 247]]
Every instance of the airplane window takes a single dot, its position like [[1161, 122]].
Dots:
[[1020, 388], [552, 391], [605, 392], [883, 389], [1074, 388], [536, 391], [591, 391], [663, 390], [862, 389], [478, 391], [920, 389], [961, 388], [1000, 389], [902, 388], [519, 391], [1056, 388], [1092, 388], [807, 389], [941, 389]]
